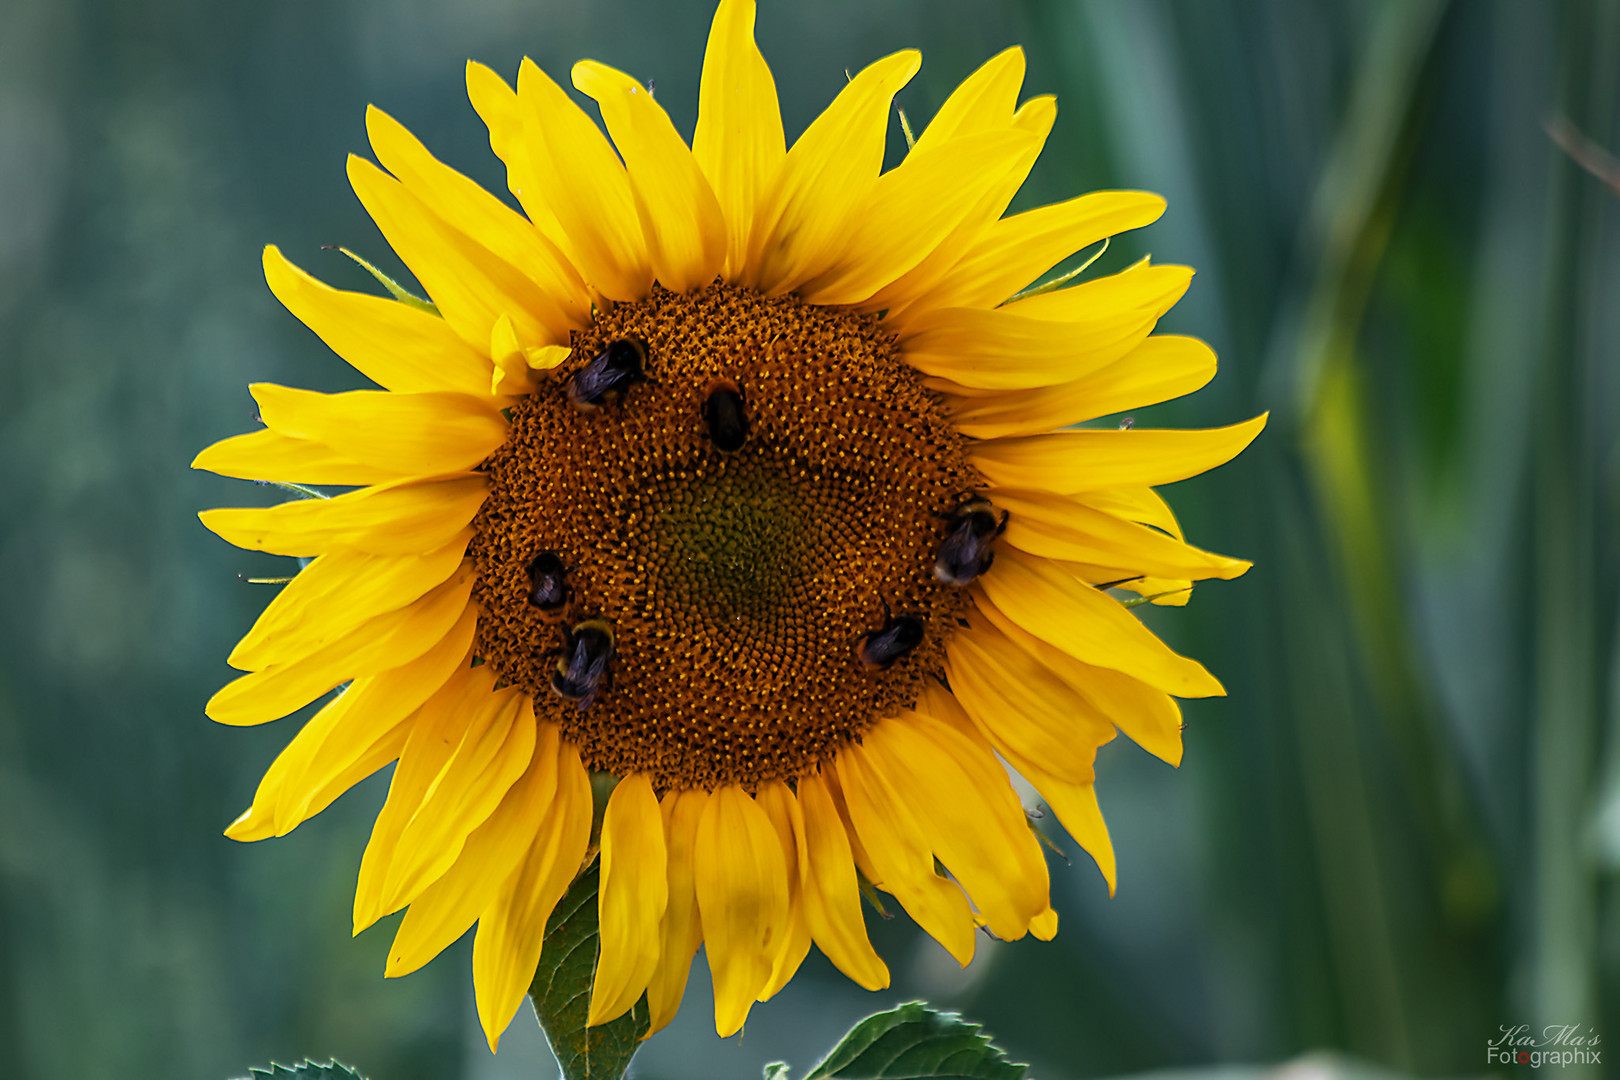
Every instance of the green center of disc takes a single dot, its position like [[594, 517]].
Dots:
[[732, 544]]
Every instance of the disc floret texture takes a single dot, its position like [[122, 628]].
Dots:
[[729, 400]]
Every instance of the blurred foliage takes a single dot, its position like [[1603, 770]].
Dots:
[[1398, 833]]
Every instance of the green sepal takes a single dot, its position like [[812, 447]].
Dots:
[[915, 1042], [776, 1070], [561, 992], [395, 289], [307, 1070]]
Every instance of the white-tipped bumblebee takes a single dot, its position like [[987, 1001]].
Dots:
[[881, 648], [965, 552], [726, 415], [582, 670], [620, 365], [547, 589]]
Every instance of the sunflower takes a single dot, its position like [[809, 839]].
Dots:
[[737, 480]]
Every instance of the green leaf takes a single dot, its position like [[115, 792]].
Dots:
[[776, 1070], [307, 1070], [561, 992], [914, 1042]]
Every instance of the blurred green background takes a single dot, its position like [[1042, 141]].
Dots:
[[1398, 833]]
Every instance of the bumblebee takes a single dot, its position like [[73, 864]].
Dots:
[[582, 669], [881, 648], [547, 589], [726, 415], [604, 380], [965, 552]]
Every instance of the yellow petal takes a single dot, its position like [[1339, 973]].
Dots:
[[1016, 250], [390, 640], [506, 950], [1059, 527], [393, 344], [1088, 625], [1045, 925], [832, 896], [1149, 716], [776, 799], [443, 911], [680, 217], [495, 749], [984, 101], [1074, 461], [970, 816], [482, 217], [682, 929], [497, 106], [1015, 347], [471, 285], [387, 519], [586, 187], [1026, 711], [270, 455], [1139, 504], [913, 208], [634, 896], [900, 861], [435, 731], [1160, 368], [1076, 806], [424, 434], [337, 592], [352, 737], [803, 224], [742, 891], [738, 142], [912, 290]]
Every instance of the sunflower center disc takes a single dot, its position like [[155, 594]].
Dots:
[[738, 584]]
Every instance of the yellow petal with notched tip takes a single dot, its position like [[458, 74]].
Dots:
[[337, 592], [270, 455], [1012, 348], [388, 641], [436, 730], [423, 434], [984, 101], [511, 931], [470, 285], [1149, 716], [913, 209], [445, 909], [1089, 625], [900, 862], [358, 733], [738, 142], [1159, 369], [634, 896], [680, 217], [776, 799], [388, 519], [1016, 250], [1023, 708], [1060, 527], [740, 873], [485, 220], [682, 929], [832, 895], [393, 344], [497, 106], [586, 187], [968, 813], [1070, 462], [494, 750], [802, 225]]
